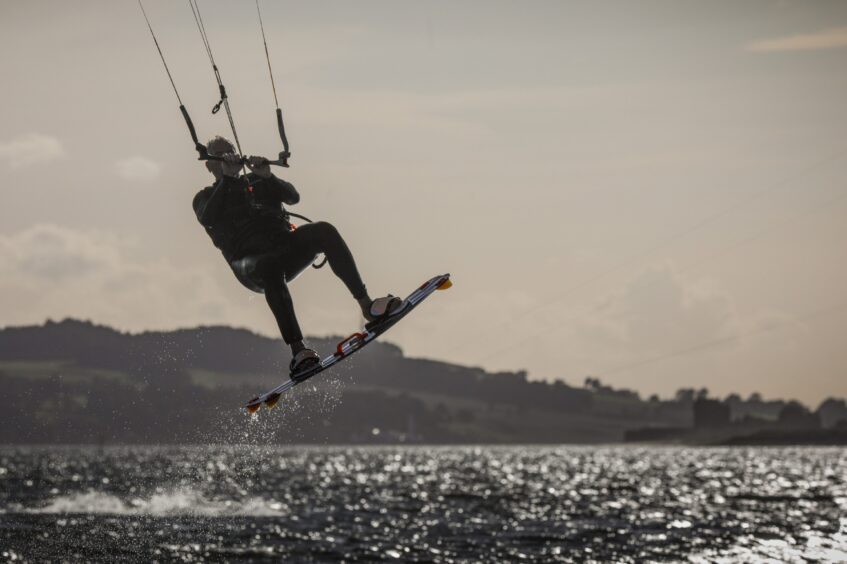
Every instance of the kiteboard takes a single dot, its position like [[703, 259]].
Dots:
[[353, 343]]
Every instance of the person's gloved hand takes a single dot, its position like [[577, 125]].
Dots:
[[231, 164], [260, 166]]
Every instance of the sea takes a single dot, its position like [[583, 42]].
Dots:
[[422, 504]]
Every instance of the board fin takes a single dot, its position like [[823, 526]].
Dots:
[[272, 400]]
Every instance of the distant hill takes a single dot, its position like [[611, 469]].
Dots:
[[78, 382]]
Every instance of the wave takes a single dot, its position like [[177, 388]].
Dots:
[[175, 503]]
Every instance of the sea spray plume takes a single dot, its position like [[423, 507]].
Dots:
[[182, 502]]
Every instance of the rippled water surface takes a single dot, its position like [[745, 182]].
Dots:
[[423, 504]]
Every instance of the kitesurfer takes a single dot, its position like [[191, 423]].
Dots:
[[245, 217]]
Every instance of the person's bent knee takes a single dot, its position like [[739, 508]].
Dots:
[[325, 228], [326, 232]]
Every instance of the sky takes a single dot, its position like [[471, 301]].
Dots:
[[647, 192]]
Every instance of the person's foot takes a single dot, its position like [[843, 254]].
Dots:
[[302, 361], [382, 308]]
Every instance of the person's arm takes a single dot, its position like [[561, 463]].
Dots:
[[208, 206], [209, 203], [284, 190], [277, 187]]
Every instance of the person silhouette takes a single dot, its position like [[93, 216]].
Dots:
[[245, 217]]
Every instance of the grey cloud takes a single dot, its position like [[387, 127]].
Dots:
[[138, 168], [31, 149], [660, 312], [833, 38], [54, 253], [54, 271]]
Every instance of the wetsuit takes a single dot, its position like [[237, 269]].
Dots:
[[245, 217]]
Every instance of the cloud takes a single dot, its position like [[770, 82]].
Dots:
[[31, 149], [137, 168], [51, 271], [833, 38], [52, 253], [660, 312]]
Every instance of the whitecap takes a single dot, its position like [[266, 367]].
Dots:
[[178, 502]]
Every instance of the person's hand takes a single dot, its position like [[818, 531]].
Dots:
[[231, 164], [260, 166]]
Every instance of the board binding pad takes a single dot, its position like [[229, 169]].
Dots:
[[353, 343]]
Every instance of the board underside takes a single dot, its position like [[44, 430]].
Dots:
[[353, 343]]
